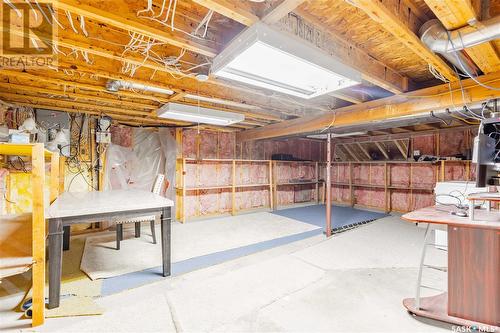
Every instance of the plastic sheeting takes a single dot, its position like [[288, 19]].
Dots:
[[136, 167]]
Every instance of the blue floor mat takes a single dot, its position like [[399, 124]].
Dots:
[[132, 280], [342, 216]]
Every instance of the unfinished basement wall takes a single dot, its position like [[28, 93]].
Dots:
[[222, 176], [400, 184]]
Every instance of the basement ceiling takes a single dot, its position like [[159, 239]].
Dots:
[[126, 40]]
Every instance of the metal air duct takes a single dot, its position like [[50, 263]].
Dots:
[[116, 85]]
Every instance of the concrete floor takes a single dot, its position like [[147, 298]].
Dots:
[[352, 282]]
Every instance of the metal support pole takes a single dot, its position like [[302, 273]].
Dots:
[[328, 185]]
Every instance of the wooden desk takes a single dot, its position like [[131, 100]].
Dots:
[[473, 297], [113, 206]]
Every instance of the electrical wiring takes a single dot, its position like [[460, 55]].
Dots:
[[82, 26], [43, 12], [11, 5], [70, 20], [439, 118], [464, 67]]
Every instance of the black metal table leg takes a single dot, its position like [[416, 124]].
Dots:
[[55, 261], [165, 240]]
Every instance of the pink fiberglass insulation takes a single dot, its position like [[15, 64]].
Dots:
[[191, 172], [362, 196], [341, 193], [454, 171], [377, 174], [400, 200], [377, 198], [421, 199], [190, 204], [426, 144], [121, 136], [189, 148], [214, 202], [251, 198], [226, 145], [423, 176], [399, 175], [452, 143], [361, 173], [285, 194], [252, 173], [305, 193], [208, 174], [208, 144], [225, 174], [344, 173]]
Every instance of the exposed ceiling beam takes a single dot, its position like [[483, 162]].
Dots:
[[378, 12], [78, 96], [456, 14], [239, 12], [282, 10], [245, 16], [130, 23], [412, 103], [370, 68]]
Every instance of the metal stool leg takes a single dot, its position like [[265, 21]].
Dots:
[[422, 258]]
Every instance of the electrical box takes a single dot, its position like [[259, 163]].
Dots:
[[103, 133], [50, 122]]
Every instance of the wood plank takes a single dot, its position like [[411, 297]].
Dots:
[[372, 70], [239, 12], [401, 149], [403, 105], [54, 176], [399, 29], [132, 24], [278, 12], [473, 293], [364, 150], [38, 234], [382, 149], [456, 14]]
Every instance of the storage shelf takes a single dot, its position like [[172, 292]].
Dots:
[[298, 183], [251, 185]]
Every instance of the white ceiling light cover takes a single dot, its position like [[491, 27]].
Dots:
[[195, 114], [265, 57]]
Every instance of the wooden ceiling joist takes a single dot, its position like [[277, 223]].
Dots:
[[280, 11], [456, 14], [412, 103], [77, 96], [382, 149], [240, 12], [381, 14], [371, 69], [364, 150], [133, 25]]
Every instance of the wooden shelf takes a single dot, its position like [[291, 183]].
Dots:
[[297, 183], [251, 185]]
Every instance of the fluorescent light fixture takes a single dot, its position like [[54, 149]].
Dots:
[[335, 135], [220, 101], [195, 114], [268, 58]]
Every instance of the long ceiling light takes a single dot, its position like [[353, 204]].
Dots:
[[195, 114], [268, 58]]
